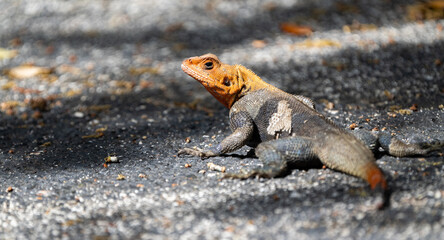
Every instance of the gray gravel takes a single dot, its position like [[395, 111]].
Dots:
[[115, 68]]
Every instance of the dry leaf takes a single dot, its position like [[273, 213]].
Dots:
[[6, 54], [337, 65], [124, 84], [389, 95], [174, 27], [142, 70], [99, 133], [215, 167], [25, 90], [428, 10], [38, 104], [28, 71], [390, 114], [347, 8], [353, 126], [258, 43], [8, 85], [69, 69], [404, 111], [356, 26], [46, 144], [177, 47], [294, 29], [318, 43], [330, 105], [9, 105], [37, 114], [111, 159], [145, 84], [122, 87], [394, 108], [102, 129], [438, 4], [99, 108], [72, 93], [73, 58], [15, 42]]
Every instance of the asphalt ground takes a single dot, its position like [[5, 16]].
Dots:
[[83, 82]]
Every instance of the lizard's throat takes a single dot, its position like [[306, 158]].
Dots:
[[222, 96]]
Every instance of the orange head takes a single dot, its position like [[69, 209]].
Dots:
[[227, 83]]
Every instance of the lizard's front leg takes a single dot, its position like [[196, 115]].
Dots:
[[243, 127]]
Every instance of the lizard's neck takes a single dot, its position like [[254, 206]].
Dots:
[[251, 82]]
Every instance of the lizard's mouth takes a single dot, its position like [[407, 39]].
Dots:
[[211, 85], [208, 83], [196, 75]]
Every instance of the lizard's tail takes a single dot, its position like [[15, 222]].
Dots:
[[375, 177], [345, 153], [377, 182]]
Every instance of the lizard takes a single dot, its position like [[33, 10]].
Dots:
[[286, 130]]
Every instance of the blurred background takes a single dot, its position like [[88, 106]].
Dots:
[[94, 106]]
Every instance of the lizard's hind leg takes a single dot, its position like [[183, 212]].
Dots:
[[277, 155], [392, 145], [369, 139]]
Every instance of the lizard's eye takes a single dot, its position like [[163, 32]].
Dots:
[[209, 65], [227, 82]]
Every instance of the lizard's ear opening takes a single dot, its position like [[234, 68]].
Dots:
[[209, 65], [227, 82]]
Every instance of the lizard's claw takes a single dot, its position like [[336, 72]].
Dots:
[[190, 151], [196, 152], [241, 175], [383, 201]]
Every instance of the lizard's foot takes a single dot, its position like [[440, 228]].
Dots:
[[398, 148], [196, 152]]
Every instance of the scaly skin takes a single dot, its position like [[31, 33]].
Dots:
[[285, 129]]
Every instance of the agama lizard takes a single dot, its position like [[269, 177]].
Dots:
[[286, 130]]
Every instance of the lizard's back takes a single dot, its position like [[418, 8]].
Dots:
[[278, 114]]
